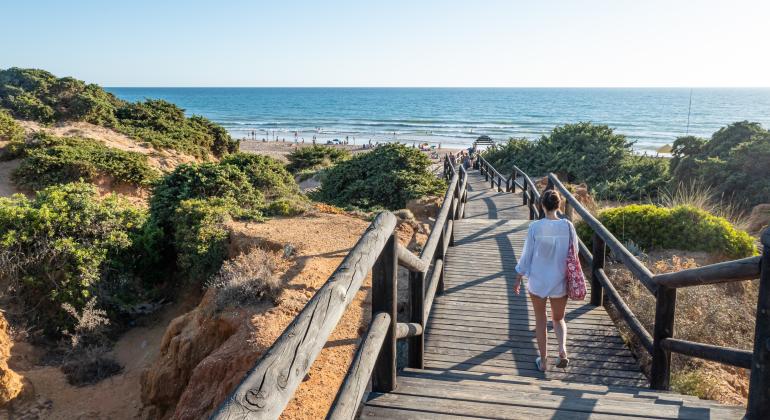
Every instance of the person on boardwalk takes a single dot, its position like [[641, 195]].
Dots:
[[544, 263]]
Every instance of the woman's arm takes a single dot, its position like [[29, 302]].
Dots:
[[525, 261], [575, 243]]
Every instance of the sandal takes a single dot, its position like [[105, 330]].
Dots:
[[562, 362], [539, 364]]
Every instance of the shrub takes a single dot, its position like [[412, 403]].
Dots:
[[315, 157], [38, 95], [266, 174], [11, 136], [164, 125], [388, 176], [682, 227], [191, 205], [247, 279], [52, 160], [585, 153], [735, 161], [200, 236], [638, 177], [64, 246], [206, 180]]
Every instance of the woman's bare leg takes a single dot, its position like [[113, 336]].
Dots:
[[541, 318], [558, 307]]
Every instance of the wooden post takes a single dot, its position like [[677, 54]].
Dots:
[[665, 307], [759, 386], [416, 303], [486, 171], [385, 299], [526, 195], [440, 256], [598, 252]]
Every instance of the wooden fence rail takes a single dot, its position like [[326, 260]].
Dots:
[[267, 388], [662, 342]]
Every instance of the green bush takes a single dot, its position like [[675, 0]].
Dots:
[[638, 177], [681, 227], [191, 205], [589, 153], [203, 181], [315, 157], [388, 177], [266, 174], [163, 125], [49, 160], [200, 236], [11, 136], [38, 95], [735, 162], [65, 246]]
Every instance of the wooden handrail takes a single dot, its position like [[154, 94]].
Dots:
[[367, 359], [725, 272], [353, 388], [619, 251], [726, 355], [267, 388], [663, 286]]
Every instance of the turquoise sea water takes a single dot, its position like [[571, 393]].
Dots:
[[456, 116]]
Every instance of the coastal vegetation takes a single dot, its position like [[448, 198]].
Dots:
[[387, 177], [585, 153], [49, 160], [652, 227], [11, 133], [191, 206], [68, 246], [735, 161], [315, 157], [37, 95]]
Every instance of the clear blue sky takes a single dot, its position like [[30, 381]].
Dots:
[[392, 43]]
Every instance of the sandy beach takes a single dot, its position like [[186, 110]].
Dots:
[[281, 149]]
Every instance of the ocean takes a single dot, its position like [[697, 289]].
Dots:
[[456, 116]]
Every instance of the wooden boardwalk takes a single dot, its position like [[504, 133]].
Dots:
[[480, 343]]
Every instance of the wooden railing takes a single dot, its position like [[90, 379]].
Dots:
[[663, 286], [530, 195], [269, 385]]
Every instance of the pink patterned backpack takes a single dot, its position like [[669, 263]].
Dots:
[[576, 281]]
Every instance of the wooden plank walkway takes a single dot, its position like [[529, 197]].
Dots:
[[480, 341]]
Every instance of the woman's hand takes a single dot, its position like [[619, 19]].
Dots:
[[517, 285]]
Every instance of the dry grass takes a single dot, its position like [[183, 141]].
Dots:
[[722, 315], [247, 279], [702, 196], [86, 359]]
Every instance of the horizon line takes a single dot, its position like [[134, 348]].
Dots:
[[428, 87]]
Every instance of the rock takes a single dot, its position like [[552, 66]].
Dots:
[[425, 207], [288, 251], [11, 383], [759, 218], [202, 358]]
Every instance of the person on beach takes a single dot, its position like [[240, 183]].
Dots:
[[544, 263]]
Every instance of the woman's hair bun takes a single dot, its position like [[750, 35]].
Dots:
[[551, 200]]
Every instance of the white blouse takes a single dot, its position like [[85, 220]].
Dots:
[[544, 258]]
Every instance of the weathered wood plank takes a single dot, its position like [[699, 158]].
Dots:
[[268, 387], [354, 386]]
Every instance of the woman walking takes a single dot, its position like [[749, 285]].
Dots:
[[544, 263]]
